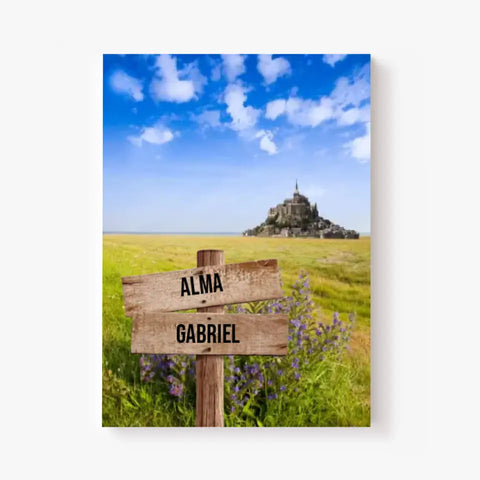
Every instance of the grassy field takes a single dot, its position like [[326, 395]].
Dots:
[[339, 272]]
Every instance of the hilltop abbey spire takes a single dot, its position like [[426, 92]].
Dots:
[[296, 217]]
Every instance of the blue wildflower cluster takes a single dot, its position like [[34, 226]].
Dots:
[[253, 381], [177, 372]]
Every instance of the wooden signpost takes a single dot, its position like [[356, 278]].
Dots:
[[209, 333]]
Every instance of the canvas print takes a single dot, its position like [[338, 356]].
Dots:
[[236, 240]]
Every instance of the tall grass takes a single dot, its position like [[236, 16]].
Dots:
[[334, 391]]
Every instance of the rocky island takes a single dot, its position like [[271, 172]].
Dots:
[[296, 217]]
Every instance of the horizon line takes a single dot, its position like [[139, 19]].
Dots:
[[110, 232]]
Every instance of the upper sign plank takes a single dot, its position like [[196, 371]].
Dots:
[[202, 287]]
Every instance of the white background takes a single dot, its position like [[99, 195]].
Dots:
[[425, 238]]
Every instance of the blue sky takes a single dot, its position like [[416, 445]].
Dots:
[[207, 143]]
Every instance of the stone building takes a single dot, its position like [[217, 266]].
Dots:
[[293, 211], [296, 217]]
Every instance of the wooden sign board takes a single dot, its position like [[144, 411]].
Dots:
[[202, 287], [210, 333]]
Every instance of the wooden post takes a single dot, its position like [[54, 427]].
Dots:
[[208, 287], [210, 367]]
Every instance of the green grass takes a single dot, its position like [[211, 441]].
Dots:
[[339, 270]]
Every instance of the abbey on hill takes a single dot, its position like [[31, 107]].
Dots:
[[296, 217]]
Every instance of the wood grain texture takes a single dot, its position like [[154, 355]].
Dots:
[[241, 282], [209, 368], [209, 403], [257, 334]]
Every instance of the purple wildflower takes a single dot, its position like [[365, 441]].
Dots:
[[176, 389]]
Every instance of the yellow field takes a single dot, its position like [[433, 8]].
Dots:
[[339, 270]]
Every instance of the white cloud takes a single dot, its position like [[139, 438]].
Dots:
[[271, 69], [156, 134], [354, 115], [333, 59], [342, 105], [172, 85], [216, 72], [243, 117], [352, 91], [233, 66], [208, 118], [192, 72], [308, 112], [125, 84], [275, 108], [266, 141], [305, 113], [360, 147], [216, 68]]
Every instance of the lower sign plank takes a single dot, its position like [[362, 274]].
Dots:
[[210, 333]]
